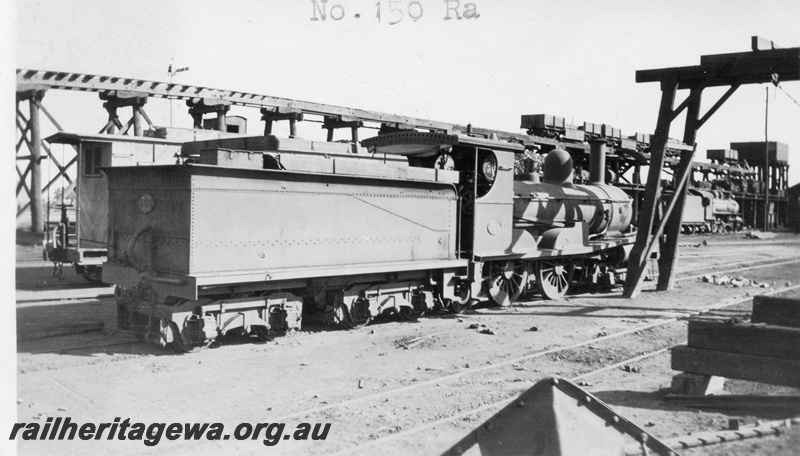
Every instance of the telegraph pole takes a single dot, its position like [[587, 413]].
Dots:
[[766, 164], [172, 73]]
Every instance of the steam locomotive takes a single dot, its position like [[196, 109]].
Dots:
[[710, 211], [250, 230]]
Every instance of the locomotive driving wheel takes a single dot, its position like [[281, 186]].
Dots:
[[553, 277], [506, 281]]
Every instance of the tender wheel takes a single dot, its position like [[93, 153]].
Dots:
[[177, 341], [407, 314], [344, 319], [506, 281], [261, 332], [553, 277], [463, 298]]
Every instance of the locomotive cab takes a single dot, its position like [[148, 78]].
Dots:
[[519, 232], [485, 185]]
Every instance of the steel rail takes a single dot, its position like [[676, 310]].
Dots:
[[732, 260], [747, 268], [718, 305], [83, 347], [708, 438], [792, 259], [527, 357], [535, 355], [513, 395]]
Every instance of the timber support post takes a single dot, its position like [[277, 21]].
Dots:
[[723, 70], [200, 106], [37, 211], [331, 123], [270, 116], [115, 99]]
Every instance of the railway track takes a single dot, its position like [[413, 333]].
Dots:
[[450, 380], [85, 347], [553, 351], [420, 388], [762, 242], [747, 268], [90, 347], [701, 255], [511, 395]]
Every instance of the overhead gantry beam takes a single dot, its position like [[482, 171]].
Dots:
[[155, 89], [731, 70], [28, 78], [119, 92]]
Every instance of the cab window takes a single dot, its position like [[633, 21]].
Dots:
[[93, 155]]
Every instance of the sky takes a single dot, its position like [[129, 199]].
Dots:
[[575, 59]]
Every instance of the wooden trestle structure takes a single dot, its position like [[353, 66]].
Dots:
[[764, 64], [120, 92]]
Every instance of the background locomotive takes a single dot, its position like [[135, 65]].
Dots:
[[238, 241], [710, 211]]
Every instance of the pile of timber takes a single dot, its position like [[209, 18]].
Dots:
[[766, 349]]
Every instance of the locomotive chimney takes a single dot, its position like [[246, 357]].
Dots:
[[597, 162]]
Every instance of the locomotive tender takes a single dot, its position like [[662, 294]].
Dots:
[[82, 241], [255, 228]]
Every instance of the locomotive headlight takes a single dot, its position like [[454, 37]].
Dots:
[[489, 167]]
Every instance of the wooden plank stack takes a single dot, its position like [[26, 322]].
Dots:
[[766, 350]]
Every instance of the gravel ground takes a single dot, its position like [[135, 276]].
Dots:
[[392, 387]]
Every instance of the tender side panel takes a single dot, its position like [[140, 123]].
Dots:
[[131, 192], [275, 221], [93, 203], [93, 195], [93, 186], [693, 210]]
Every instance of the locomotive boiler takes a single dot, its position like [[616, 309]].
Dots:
[[256, 229]]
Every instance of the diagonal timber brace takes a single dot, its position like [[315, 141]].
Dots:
[[731, 70]]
